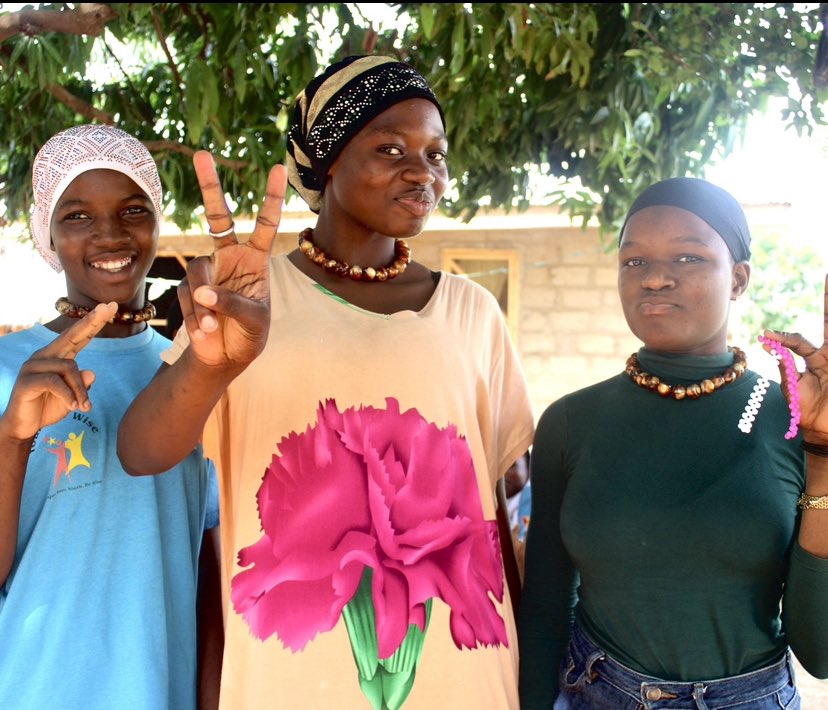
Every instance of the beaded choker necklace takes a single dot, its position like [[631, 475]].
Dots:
[[70, 310], [694, 391], [402, 255]]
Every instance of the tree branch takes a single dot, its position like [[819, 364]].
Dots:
[[79, 106], [92, 114], [163, 40], [87, 19], [174, 147]]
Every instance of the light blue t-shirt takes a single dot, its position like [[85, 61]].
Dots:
[[524, 510], [98, 611]]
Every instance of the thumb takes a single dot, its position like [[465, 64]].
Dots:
[[251, 314], [87, 377]]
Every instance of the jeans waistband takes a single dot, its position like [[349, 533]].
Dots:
[[649, 690]]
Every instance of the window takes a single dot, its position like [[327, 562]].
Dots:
[[497, 270]]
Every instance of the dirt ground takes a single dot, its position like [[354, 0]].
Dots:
[[814, 692]]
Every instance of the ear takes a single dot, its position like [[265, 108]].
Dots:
[[741, 277]]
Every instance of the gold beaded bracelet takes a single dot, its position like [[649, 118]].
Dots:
[[807, 502]]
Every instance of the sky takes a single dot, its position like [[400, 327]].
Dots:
[[776, 165]]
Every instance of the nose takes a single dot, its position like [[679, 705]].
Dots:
[[418, 171], [108, 228], [658, 276]]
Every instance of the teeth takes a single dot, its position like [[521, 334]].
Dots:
[[112, 265]]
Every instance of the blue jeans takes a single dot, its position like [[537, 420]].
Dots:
[[591, 680]]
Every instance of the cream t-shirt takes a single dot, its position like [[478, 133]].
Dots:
[[361, 446]]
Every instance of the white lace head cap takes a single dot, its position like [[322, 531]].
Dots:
[[75, 151]]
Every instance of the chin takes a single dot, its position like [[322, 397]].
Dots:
[[415, 231], [662, 342]]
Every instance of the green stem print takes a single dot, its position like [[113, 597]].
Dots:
[[386, 682]]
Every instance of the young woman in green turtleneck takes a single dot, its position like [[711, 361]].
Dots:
[[668, 563]]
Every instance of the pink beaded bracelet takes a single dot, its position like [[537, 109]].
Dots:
[[780, 352]]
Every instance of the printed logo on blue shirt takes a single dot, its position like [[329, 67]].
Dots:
[[69, 454]]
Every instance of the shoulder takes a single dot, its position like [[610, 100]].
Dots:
[[15, 349], [465, 287], [591, 400], [280, 260], [158, 340], [23, 334], [24, 341]]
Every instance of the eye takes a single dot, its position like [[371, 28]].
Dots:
[[437, 156], [74, 216], [634, 261], [391, 150], [690, 259], [135, 210]]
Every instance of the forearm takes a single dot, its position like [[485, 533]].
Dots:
[[804, 605], [507, 548], [210, 621], [545, 619], [804, 611], [813, 531], [14, 455], [550, 578], [165, 421]]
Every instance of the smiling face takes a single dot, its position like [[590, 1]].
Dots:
[[676, 279], [104, 229], [391, 175]]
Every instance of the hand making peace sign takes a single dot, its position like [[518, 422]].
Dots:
[[225, 297], [50, 384]]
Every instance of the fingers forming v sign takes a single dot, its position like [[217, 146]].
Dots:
[[225, 298], [50, 384], [813, 382]]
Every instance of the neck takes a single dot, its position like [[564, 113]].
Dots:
[[356, 245]]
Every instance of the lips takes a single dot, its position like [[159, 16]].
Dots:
[[418, 203], [656, 308]]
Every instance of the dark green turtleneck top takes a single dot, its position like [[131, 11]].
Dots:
[[668, 533]]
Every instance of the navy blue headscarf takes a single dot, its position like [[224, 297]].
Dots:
[[707, 201]]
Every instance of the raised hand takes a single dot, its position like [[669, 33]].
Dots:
[[50, 384], [225, 298], [813, 382]]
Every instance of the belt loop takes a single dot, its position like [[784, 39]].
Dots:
[[789, 663], [593, 658], [698, 696]]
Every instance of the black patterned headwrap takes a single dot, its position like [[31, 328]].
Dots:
[[711, 203], [338, 104]]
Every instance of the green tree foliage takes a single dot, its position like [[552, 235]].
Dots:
[[786, 290], [607, 97]]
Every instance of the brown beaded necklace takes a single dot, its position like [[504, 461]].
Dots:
[[70, 310], [694, 391], [402, 255]]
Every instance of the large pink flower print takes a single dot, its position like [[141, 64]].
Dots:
[[377, 491]]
